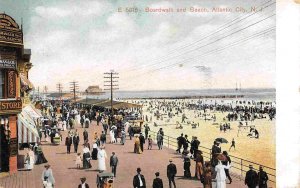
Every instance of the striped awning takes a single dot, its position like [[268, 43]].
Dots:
[[27, 130], [25, 83]]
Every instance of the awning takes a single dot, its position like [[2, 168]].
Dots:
[[27, 131], [32, 111], [25, 83]]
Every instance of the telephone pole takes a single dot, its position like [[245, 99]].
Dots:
[[111, 84], [74, 88], [59, 87]]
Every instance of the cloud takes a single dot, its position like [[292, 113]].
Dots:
[[76, 40]]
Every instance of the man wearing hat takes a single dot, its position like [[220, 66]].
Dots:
[[142, 141], [262, 178], [157, 182], [139, 180], [251, 178], [83, 184], [171, 172]]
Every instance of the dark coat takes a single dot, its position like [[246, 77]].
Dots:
[[86, 185], [136, 181], [251, 178], [113, 161], [68, 141], [171, 170], [142, 139], [76, 140], [85, 135], [215, 149], [157, 183], [262, 179]]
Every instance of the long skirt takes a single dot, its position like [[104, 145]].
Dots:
[[41, 159], [94, 153], [86, 164]]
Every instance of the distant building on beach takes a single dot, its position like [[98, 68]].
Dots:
[[93, 90]]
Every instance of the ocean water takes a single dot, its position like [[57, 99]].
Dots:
[[249, 94]]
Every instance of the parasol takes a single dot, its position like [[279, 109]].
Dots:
[[221, 140]]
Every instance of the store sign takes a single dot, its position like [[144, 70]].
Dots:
[[8, 60], [11, 105], [10, 31]]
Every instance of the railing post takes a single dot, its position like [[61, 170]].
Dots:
[[241, 169]]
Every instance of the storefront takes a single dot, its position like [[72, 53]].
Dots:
[[14, 64]]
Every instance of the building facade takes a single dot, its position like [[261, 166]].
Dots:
[[14, 85]]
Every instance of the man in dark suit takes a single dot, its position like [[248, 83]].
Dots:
[[171, 172], [68, 143], [157, 182], [139, 180], [142, 141], [113, 163], [83, 184], [76, 142], [262, 178], [251, 178]]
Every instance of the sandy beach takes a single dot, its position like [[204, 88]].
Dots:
[[261, 151]]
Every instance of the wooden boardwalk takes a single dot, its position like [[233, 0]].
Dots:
[[67, 176]]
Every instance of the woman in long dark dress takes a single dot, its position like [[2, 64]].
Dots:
[[186, 167], [40, 156], [94, 152], [86, 158]]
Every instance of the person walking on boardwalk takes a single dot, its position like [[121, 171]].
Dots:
[[76, 142], [232, 144], [123, 137], [262, 178], [171, 172], [150, 141], [103, 138], [47, 177], [83, 183], [137, 145], [130, 132], [113, 163], [142, 141], [147, 129], [159, 138], [227, 162], [157, 182], [139, 180], [101, 159], [85, 135], [221, 176], [180, 141], [251, 178], [162, 135], [68, 143]]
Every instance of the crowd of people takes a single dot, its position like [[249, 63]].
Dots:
[[209, 173]]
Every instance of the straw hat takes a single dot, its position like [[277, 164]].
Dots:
[[170, 160]]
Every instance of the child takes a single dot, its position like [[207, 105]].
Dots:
[[149, 142], [78, 160]]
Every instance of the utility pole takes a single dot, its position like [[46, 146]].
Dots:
[[39, 92], [59, 88], [74, 88], [111, 85]]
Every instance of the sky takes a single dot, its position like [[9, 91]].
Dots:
[[80, 40]]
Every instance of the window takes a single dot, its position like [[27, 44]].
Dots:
[[1, 84]]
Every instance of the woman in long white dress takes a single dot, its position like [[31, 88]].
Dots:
[[101, 159], [221, 176], [112, 136], [32, 158]]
